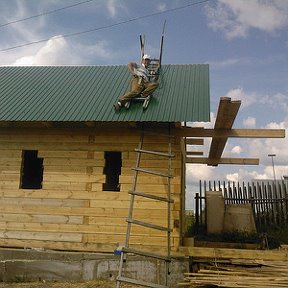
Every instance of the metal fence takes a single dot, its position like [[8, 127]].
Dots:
[[268, 199]]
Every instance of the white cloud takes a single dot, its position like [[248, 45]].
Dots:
[[54, 52], [199, 171], [260, 148], [114, 7], [58, 51], [275, 101], [235, 18], [236, 150], [249, 122], [239, 94], [162, 7], [233, 177]]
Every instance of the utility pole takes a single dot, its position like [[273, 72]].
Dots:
[[272, 159]]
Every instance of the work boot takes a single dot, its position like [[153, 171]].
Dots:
[[117, 106]]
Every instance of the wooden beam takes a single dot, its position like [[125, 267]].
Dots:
[[194, 141], [215, 162], [194, 153], [221, 253], [233, 133], [226, 115]]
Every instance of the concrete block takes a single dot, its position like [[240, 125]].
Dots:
[[239, 217], [215, 211]]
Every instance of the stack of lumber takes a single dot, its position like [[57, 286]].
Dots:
[[239, 274]]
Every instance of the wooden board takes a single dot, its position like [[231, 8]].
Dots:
[[221, 253], [71, 210]]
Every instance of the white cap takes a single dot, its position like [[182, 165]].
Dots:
[[146, 56]]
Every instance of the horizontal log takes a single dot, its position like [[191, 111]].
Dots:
[[71, 237], [220, 253], [83, 211], [188, 153], [43, 202], [214, 162], [74, 162], [148, 204], [224, 133], [38, 218], [194, 141], [85, 195], [109, 230], [71, 154]]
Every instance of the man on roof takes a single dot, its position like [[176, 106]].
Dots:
[[140, 83]]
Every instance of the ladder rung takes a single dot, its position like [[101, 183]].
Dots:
[[153, 172], [147, 254], [152, 196], [140, 282], [155, 153], [149, 225]]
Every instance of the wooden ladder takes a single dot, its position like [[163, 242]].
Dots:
[[131, 221]]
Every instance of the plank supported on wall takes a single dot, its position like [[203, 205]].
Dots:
[[227, 112]]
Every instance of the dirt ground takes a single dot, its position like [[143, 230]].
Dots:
[[90, 284]]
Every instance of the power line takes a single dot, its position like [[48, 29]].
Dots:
[[45, 13], [107, 26]]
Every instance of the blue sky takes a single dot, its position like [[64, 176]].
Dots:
[[245, 42]]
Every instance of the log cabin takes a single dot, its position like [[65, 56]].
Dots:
[[67, 158]]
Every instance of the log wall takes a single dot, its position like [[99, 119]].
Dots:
[[71, 211]]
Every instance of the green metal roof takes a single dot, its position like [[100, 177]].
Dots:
[[87, 93]]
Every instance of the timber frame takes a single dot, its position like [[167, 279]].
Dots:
[[227, 112]]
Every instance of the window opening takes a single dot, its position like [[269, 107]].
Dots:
[[31, 170], [112, 170]]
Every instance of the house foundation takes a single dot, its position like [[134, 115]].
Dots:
[[27, 265]]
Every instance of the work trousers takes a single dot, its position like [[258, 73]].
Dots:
[[138, 86]]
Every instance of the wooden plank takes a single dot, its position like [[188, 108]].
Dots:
[[9, 185], [10, 153], [9, 176], [44, 138], [148, 204], [74, 228], [64, 194], [140, 240], [155, 180], [68, 177], [37, 218], [80, 211], [155, 163], [10, 168], [112, 221], [234, 133], [227, 112], [218, 253], [10, 161], [74, 162], [236, 161], [59, 245], [70, 237], [189, 153], [70, 154], [43, 202], [58, 169], [194, 141], [68, 186]]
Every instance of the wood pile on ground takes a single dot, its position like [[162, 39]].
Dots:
[[239, 274], [243, 269]]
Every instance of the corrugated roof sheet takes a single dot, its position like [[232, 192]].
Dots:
[[87, 93]]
